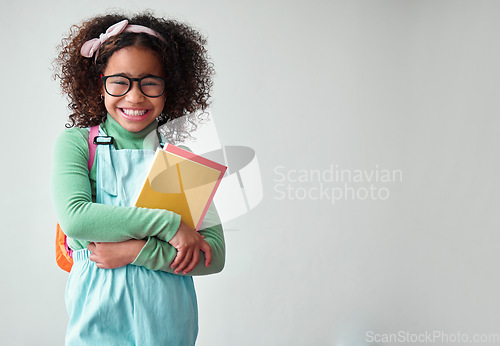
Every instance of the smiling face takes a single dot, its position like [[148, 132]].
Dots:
[[134, 111]]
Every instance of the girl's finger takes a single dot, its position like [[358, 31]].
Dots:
[[100, 265], [93, 257], [185, 262], [91, 247], [205, 247], [194, 261], [178, 259]]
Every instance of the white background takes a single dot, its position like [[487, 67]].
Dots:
[[399, 85]]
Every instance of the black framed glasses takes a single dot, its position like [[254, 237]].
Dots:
[[119, 85]]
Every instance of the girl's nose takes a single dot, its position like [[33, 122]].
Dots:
[[135, 94]]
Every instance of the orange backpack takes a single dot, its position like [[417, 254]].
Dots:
[[64, 255]]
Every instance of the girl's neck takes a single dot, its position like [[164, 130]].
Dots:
[[125, 139]]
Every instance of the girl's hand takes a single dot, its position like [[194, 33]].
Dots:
[[188, 244], [115, 255]]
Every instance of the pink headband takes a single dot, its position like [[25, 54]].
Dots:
[[92, 46]]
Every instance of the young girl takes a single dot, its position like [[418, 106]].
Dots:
[[130, 283]]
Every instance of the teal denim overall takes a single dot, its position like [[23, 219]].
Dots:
[[130, 305]]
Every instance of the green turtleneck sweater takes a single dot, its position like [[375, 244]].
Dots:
[[83, 221]]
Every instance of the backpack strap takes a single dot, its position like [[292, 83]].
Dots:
[[93, 133]]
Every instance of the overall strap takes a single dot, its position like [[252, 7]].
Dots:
[[94, 132]]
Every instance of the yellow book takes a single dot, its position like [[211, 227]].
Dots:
[[182, 182]]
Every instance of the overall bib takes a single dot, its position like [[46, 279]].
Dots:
[[130, 305]]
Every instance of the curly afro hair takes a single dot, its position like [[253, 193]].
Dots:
[[183, 56]]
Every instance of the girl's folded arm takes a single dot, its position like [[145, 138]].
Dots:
[[84, 220]]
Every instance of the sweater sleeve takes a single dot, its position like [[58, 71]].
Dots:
[[84, 220], [158, 255]]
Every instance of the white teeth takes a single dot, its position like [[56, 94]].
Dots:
[[134, 112]]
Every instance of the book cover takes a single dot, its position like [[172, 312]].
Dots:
[[182, 182]]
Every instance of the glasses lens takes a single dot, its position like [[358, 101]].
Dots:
[[117, 85], [152, 86]]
